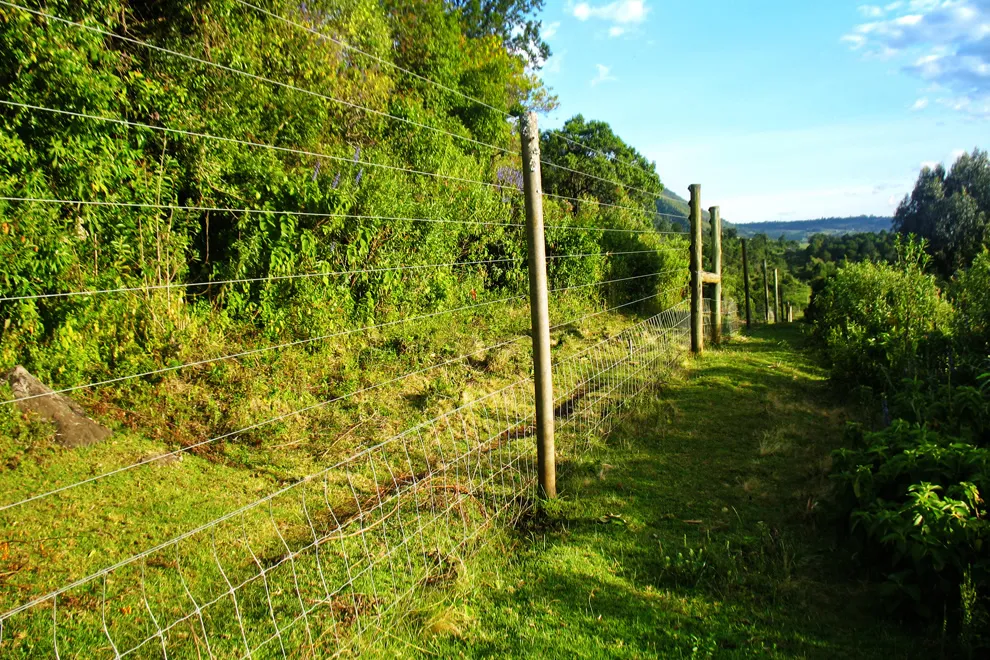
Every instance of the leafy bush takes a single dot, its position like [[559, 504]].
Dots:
[[971, 296], [914, 499], [880, 322]]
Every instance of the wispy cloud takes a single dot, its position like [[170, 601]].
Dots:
[[549, 31], [621, 14], [943, 42], [920, 104], [604, 75]]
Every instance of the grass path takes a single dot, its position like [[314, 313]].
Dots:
[[696, 532]]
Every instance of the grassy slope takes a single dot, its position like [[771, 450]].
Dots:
[[692, 534]]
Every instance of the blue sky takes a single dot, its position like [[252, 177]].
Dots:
[[782, 109]]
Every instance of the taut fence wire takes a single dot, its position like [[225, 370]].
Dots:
[[317, 561]]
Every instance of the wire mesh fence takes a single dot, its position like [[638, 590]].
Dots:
[[312, 559]]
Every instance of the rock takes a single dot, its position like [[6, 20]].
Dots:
[[75, 429], [168, 458]]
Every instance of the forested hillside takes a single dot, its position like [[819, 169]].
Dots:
[[801, 230]]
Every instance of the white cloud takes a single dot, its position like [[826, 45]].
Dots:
[[920, 104], [620, 11], [616, 31], [930, 164], [604, 75], [944, 42], [550, 31]]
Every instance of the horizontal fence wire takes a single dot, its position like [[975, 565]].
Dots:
[[614, 281], [259, 145], [265, 349], [241, 72], [594, 385], [325, 274], [327, 558]]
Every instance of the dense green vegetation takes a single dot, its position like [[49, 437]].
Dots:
[[913, 342], [803, 230], [341, 166], [693, 532], [951, 211]]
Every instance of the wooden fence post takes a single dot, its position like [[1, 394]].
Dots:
[[776, 297], [697, 313], [766, 292], [749, 323], [715, 217], [539, 304]]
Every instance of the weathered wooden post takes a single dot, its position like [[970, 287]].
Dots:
[[766, 292], [776, 297], [749, 323], [539, 307], [697, 313], [715, 218]]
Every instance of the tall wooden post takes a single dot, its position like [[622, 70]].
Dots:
[[766, 292], [749, 322], [539, 307], [697, 313], [776, 297], [715, 215]]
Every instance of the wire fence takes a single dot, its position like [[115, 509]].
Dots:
[[314, 562]]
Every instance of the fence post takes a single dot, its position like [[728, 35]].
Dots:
[[749, 323], [697, 313], [539, 304], [766, 292], [715, 216], [776, 297]]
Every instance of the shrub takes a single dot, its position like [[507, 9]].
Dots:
[[880, 323], [914, 501]]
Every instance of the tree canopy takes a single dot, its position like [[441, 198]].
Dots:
[[950, 210]]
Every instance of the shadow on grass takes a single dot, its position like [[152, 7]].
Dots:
[[692, 532]]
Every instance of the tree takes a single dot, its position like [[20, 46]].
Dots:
[[950, 211], [597, 160], [509, 20]]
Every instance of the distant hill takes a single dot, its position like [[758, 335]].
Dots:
[[800, 230]]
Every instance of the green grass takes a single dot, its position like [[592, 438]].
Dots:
[[696, 531], [51, 542]]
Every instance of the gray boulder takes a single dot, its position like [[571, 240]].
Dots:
[[75, 429]]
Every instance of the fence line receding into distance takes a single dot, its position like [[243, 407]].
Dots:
[[322, 559]]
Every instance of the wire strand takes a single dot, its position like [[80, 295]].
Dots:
[[253, 427], [250, 143], [592, 200], [599, 178], [243, 509], [621, 279], [241, 72], [612, 309], [380, 60], [266, 349], [614, 159], [221, 209]]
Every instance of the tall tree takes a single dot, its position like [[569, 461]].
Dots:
[[598, 160], [950, 210], [510, 20]]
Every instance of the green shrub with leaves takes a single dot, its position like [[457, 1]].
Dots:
[[914, 502], [880, 323]]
